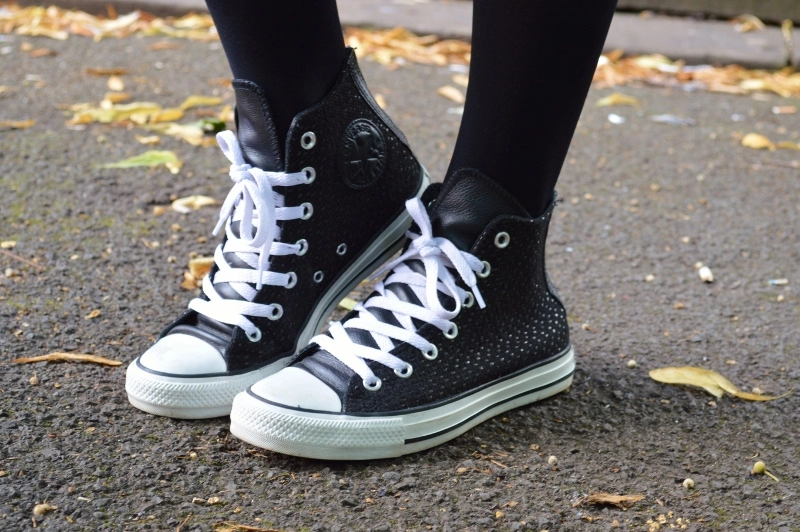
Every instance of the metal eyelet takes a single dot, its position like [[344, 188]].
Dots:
[[318, 277], [341, 249], [254, 337], [432, 354], [470, 300], [308, 140], [502, 239], [375, 385], [311, 175], [303, 243], [292, 280], [487, 269], [277, 312], [405, 374], [452, 333], [308, 210]]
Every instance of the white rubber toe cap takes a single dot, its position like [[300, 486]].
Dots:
[[181, 354], [297, 388]]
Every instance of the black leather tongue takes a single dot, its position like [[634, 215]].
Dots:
[[255, 127], [468, 202]]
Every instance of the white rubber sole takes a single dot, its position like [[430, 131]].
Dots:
[[332, 436], [206, 397]]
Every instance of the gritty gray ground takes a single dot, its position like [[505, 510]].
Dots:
[[630, 194]]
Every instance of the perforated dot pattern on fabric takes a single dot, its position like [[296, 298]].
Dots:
[[522, 324]]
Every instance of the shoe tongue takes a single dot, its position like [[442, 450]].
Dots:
[[255, 127], [467, 204]]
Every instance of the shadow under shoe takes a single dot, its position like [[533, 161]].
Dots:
[[466, 325], [330, 203]]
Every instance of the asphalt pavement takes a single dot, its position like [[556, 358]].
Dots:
[[94, 270]]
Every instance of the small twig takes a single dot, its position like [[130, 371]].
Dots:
[[21, 259], [183, 523]]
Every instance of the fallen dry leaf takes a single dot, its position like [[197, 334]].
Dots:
[[93, 314], [200, 101], [460, 79], [185, 205], [43, 52], [116, 97], [86, 114], [347, 303], [451, 93], [106, 71], [200, 266], [149, 158], [616, 98], [166, 115], [164, 45], [232, 526], [16, 124], [380, 99], [149, 140], [599, 497], [8, 244], [746, 22], [68, 357], [757, 142], [709, 380], [41, 509]]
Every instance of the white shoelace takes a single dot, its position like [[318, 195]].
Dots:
[[254, 204], [439, 256]]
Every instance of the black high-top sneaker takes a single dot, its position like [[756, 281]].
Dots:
[[303, 225], [465, 326]]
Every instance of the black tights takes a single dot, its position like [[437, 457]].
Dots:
[[532, 64]]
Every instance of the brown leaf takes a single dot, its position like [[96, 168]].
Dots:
[[16, 124], [68, 357], [200, 266], [106, 71], [165, 45], [93, 314], [43, 52], [599, 497], [616, 98], [232, 526]]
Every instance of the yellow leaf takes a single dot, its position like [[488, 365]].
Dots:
[[757, 142], [166, 115], [616, 98], [149, 158], [347, 303], [8, 244], [93, 314], [68, 357], [184, 205], [451, 93], [149, 140], [114, 113], [200, 101], [709, 380], [788, 145], [41, 509]]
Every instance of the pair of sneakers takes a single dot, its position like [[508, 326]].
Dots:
[[464, 326]]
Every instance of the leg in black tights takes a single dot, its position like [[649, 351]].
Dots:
[[532, 64], [291, 49]]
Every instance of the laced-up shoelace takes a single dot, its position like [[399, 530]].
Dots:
[[439, 257], [254, 204]]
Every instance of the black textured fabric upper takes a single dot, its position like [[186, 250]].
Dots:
[[342, 214], [523, 323]]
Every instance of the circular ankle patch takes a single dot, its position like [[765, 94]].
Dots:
[[362, 157]]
